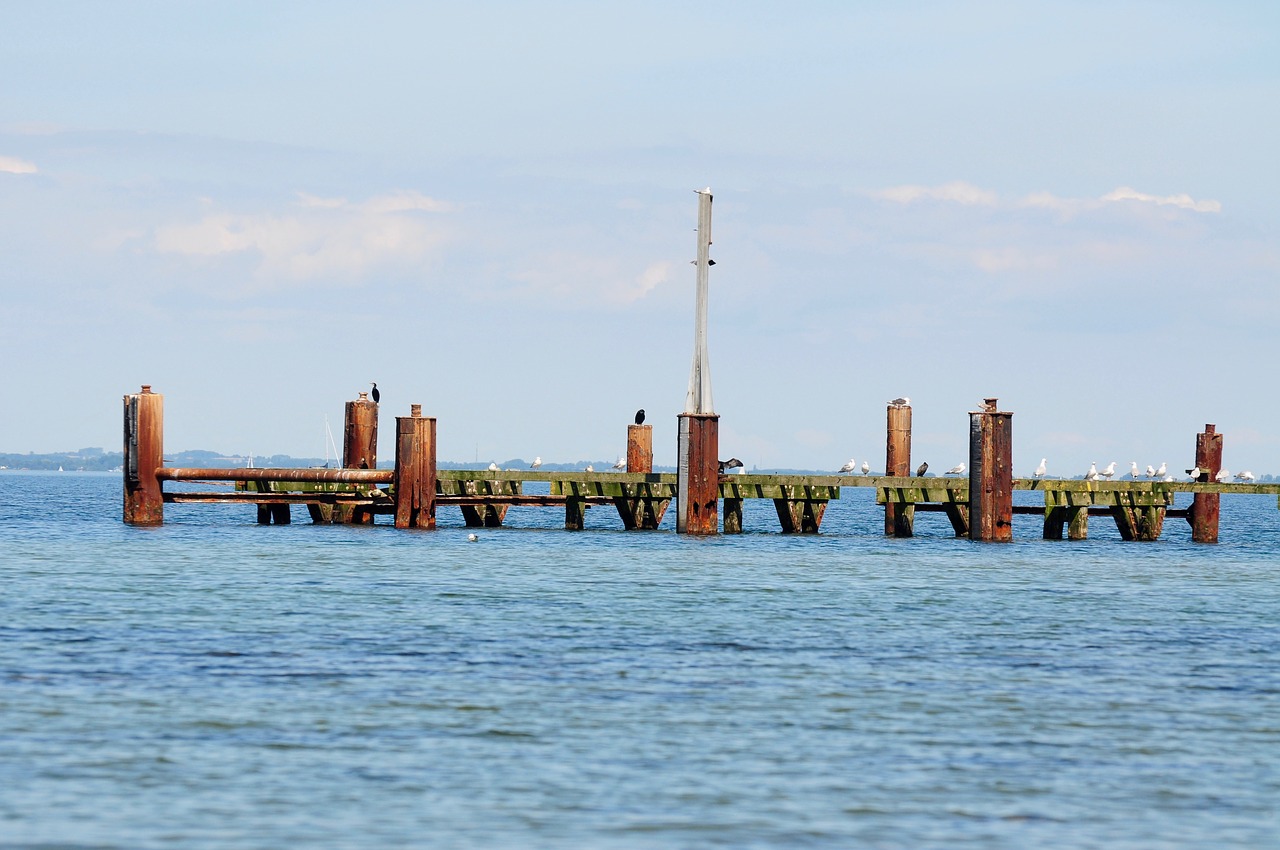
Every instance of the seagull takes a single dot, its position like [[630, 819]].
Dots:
[[1151, 471], [640, 416], [922, 469], [1161, 471], [901, 401], [1093, 471], [1223, 476], [848, 467], [866, 467], [1194, 472], [1133, 469], [589, 468], [621, 464], [375, 395], [537, 462], [493, 467], [473, 537], [1109, 471], [731, 463], [1041, 469], [1245, 475], [956, 470]]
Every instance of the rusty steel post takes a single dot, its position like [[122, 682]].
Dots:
[[899, 519], [698, 474], [143, 455], [359, 451], [1203, 515], [991, 474], [640, 448], [415, 473], [360, 436]]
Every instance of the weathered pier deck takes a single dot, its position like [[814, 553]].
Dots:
[[978, 505]]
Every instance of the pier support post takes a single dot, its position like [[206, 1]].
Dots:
[[143, 455], [1203, 515], [415, 473], [899, 519], [359, 451], [698, 474], [991, 474], [639, 511]]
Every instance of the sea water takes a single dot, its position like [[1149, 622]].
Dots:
[[215, 683]]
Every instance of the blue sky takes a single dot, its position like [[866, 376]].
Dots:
[[489, 210]]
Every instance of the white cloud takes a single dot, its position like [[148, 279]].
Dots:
[[592, 279], [13, 165], [957, 192], [1184, 201], [324, 238]]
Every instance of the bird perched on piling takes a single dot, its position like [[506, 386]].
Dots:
[[731, 463], [1109, 471], [375, 395], [537, 462], [640, 416], [850, 466], [956, 470], [1151, 471], [1093, 471], [1223, 476], [1194, 472], [589, 468], [493, 467], [901, 401], [866, 467], [1133, 470], [922, 469], [621, 464], [1244, 475], [1164, 467], [1041, 469]]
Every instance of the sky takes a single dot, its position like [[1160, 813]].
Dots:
[[489, 209]]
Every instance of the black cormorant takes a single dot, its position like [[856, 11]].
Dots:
[[375, 394], [922, 469], [640, 416]]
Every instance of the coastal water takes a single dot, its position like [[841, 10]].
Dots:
[[214, 683]]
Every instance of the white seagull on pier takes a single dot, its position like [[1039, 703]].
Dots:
[[537, 462], [1133, 470], [621, 464], [1093, 471], [1041, 469], [866, 467], [1245, 475], [493, 467], [1223, 476], [1151, 471], [955, 470], [1164, 467], [1109, 471], [848, 467], [1194, 472]]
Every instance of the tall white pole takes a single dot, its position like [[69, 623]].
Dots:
[[698, 399]]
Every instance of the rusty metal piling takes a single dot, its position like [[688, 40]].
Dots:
[[698, 474], [1203, 515], [899, 519], [415, 472], [991, 474], [143, 455]]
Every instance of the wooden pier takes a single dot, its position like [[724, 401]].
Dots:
[[979, 505]]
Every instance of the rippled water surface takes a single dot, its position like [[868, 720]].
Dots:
[[213, 683]]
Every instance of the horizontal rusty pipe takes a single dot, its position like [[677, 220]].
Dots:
[[340, 476]]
